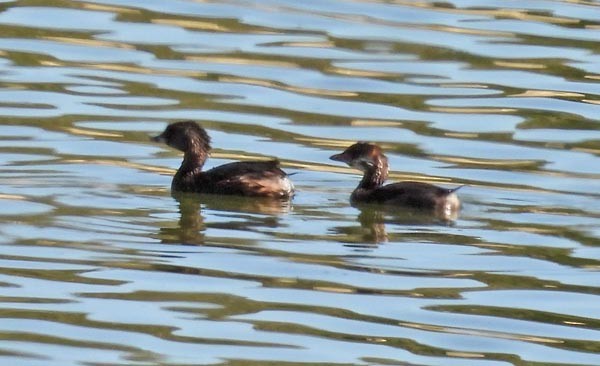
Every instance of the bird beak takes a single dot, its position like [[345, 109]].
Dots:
[[159, 138], [340, 157]]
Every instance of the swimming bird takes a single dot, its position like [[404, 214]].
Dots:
[[370, 159], [248, 178]]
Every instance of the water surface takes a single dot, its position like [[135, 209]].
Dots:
[[101, 265]]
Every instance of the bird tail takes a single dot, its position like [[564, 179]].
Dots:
[[452, 190]]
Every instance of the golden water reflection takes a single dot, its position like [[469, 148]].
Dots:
[[101, 264]]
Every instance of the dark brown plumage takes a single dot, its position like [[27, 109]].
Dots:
[[369, 158], [251, 178]]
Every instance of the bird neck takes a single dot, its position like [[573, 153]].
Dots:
[[375, 174], [193, 159]]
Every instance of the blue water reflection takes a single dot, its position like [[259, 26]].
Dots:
[[100, 264]]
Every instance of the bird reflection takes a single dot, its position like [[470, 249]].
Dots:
[[191, 226], [372, 223], [373, 219]]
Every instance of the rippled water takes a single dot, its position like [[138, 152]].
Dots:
[[100, 265]]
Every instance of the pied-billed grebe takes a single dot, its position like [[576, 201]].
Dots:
[[370, 159], [250, 178]]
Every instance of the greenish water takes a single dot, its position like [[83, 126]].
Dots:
[[100, 265]]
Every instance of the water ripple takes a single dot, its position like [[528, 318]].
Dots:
[[99, 264]]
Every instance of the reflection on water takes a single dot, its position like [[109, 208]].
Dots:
[[373, 219], [190, 225], [242, 214], [99, 264]]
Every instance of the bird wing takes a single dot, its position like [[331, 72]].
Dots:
[[255, 178]]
